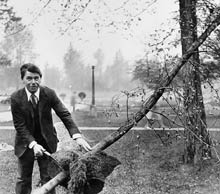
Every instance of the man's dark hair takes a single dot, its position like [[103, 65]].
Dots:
[[31, 68]]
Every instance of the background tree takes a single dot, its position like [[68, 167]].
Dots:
[[19, 47], [99, 77], [117, 75], [148, 72], [7, 17], [211, 62], [4, 60], [53, 77], [99, 56], [16, 46], [74, 69], [212, 45]]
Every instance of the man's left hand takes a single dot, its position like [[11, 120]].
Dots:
[[82, 142]]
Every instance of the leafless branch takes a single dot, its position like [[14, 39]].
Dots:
[[122, 5], [33, 20], [78, 17]]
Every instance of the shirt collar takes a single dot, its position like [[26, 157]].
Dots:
[[37, 93]]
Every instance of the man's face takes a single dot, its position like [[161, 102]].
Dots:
[[32, 81]]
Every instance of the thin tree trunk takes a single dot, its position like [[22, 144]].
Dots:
[[113, 137], [195, 117]]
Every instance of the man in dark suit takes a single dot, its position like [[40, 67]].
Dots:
[[31, 109]]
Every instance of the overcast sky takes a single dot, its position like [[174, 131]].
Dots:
[[51, 45]]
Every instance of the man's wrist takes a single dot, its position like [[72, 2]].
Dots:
[[76, 136]]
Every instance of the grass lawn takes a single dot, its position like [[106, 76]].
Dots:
[[148, 166]]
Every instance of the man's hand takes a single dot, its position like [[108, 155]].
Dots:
[[38, 150], [82, 142]]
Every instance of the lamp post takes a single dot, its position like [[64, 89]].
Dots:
[[93, 108], [93, 85]]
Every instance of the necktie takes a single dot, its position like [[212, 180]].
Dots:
[[34, 101]]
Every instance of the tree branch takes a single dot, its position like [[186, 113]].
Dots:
[[24, 26]]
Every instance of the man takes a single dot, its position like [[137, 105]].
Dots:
[[31, 111], [73, 101]]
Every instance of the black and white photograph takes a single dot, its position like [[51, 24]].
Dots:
[[109, 97]]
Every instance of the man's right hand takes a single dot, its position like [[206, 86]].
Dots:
[[38, 150]]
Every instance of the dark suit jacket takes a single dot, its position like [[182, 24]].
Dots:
[[23, 115]]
